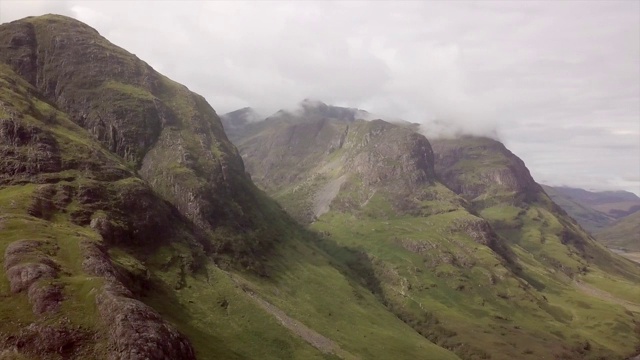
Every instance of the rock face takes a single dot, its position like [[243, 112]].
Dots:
[[473, 166], [29, 269], [389, 154], [26, 151], [170, 135], [136, 331], [235, 121], [95, 139], [328, 148]]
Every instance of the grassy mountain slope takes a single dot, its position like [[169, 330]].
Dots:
[[429, 254], [129, 228], [589, 219], [611, 216], [528, 213], [624, 233]]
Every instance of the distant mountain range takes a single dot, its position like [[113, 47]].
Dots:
[[613, 217]]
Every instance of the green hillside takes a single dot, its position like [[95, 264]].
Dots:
[[492, 269], [589, 218], [623, 234]]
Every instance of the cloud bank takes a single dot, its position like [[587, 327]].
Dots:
[[559, 82]]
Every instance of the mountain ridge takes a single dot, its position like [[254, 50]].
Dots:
[[478, 193], [138, 230], [130, 228]]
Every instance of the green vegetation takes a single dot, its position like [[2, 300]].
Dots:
[[530, 290], [421, 266], [589, 218], [120, 191], [623, 234]]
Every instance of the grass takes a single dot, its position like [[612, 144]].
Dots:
[[486, 301], [80, 290], [351, 315], [589, 218], [413, 255], [382, 283], [623, 234]]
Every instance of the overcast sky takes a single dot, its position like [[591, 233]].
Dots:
[[558, 81]]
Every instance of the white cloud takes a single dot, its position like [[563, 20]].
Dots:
[[559, 81]]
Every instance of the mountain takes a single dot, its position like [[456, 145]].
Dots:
[[129, 228], [613, 217], [238, 119], [453, 236], [622, 234], [615, 204], [589, 218]]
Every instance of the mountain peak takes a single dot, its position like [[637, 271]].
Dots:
[[241, 117]]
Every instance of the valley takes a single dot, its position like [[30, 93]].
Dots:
[[136, 223]]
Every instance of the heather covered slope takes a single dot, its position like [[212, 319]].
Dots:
[[459, 242], [129, 229]]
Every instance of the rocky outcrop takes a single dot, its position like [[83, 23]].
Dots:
[[136, 331], [29, 268], [52, 52], [26, 151], [474, 166], [61, 340], [314, 147], [481, 232], [389, 155]]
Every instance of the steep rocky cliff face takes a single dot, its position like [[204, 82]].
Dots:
[[473, 166], [80, 119], [322, 148], [170, 136]]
